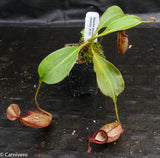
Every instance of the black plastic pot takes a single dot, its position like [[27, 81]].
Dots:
[[83, 80]]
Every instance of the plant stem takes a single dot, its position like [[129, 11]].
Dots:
[[116, 110], [95, 33], [84, 44], [92, 50], [35, 98], [100, 35]]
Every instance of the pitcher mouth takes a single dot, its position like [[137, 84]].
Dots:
[[106, 134], [99, 137]]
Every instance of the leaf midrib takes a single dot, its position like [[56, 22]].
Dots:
[[107, 79], [58, 65], [109, 19], [108, 30]]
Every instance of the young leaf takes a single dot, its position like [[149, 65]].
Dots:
[[122, 23], [109, 79], [111, 14], [56, 66]]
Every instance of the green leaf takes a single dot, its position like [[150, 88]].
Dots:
[[82, 33], [109, 78], [110, 15], [57, 65], [122, 23]]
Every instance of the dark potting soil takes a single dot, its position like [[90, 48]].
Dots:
[[83, 80], [75, 118]]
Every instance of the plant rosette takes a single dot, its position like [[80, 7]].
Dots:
[[57, 65], [82, 76]]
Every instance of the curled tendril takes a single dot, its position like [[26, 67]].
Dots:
[[152, 18]]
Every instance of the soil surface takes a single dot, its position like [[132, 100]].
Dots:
[[76, 118]]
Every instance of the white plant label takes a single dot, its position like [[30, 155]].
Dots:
[[91, 24]]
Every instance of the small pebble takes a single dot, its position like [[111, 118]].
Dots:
[[73, 133]]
